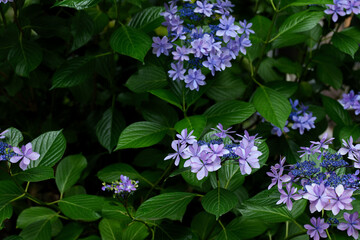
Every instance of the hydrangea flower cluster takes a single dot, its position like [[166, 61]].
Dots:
[[201, 35], [121, 187], [351, 101], [323, 181], [342, 8], [300, 118], [204, 157], [15, 154]]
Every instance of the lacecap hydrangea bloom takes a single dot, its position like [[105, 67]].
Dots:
[[201, 35], [324, 178], [121, 187], [204, 157], [342, 8], [351, 101]]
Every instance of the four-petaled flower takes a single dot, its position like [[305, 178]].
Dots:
[[352, 225], [286, 197], [25, 155], [317, 229]]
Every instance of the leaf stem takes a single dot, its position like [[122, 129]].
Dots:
[[286, 229], [224, 229]]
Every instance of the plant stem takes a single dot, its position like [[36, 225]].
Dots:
[[287, 229], [224, 229]]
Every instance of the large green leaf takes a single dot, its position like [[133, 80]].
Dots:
[[336, 112], [77, 4], [135, 231], [40, 230], [82, 207], [116, 212], [168, 96], [146, 79], [167, 205], [69, 171], [273, 106], [25, 57], [37, 174], [71, 231], [8, 191], [300, 22], [6, 212], [245, 228], [263, 207], [141, 134], [109, 127], [13, 136], [51, 147], [36, 214], [329, 74], [230, 176], [208, 222], [82, 29], [229, 112], [72, 73], [110, 229], [148, 19], [130, 42], [347, 41], [306, 2], [219, 201], [196, 123]]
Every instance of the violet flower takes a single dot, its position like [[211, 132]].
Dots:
[[316, 196], [25, 155], [318, 229], [323, 143], [2, 135], [194, 79], [339, 199], [352, 225], [349, 148], [277, 177], [286, 197], [203, 8], [179, 152], [223, 133], [185, 138], [161, 46]]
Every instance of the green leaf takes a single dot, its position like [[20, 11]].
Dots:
[[300, 22], [8, 192], [274, 107], [196, 123], [110, 229], [329, 74], [77, 4], [347, 131], [267, 71], [167, 96], [72, 73], [25, 57], [227, 86], [71, 231], [159, 112], [219, 201], [13, 136], [230, 176], [51, 147], [40, 230], [35, 214], [336, 112], [148, 19], [229, 112], [299, 3], [112, 173], [263, 207], [208, 223], [285, 65], [288, 39], [130, 42], [6, 212], [135, 231], [36, 174], [69, 171], [109, 127], [287, 89], [167, 205], [245, 228], [117, 212], [146, 79], [141, 134], [82, 207], [345, 43], [82, 29]]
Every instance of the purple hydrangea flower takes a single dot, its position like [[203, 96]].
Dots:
[[335, 10], [227, 29], [349, 100], [179, 152], [204, 164], [223, 133], [249, 157], [339, 199], [194, 79], [243, 42], [323, 143], [316, 196], [353, 6], [125, 185], [303, 122], [161, 46], [204, 8], [352, 225], [245, 28], [6, 1], [25, 155], [218, 150], [277, 131], [185, 138], [2, 135], [181, 54], [277, 177], [317, 229], [212, 63], [356, 158], [285, 197], [349, 148], [223, 7], [177, 71]]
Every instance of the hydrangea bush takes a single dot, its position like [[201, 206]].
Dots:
[[182, 119]]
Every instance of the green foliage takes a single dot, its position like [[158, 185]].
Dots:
[[219, 201]]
